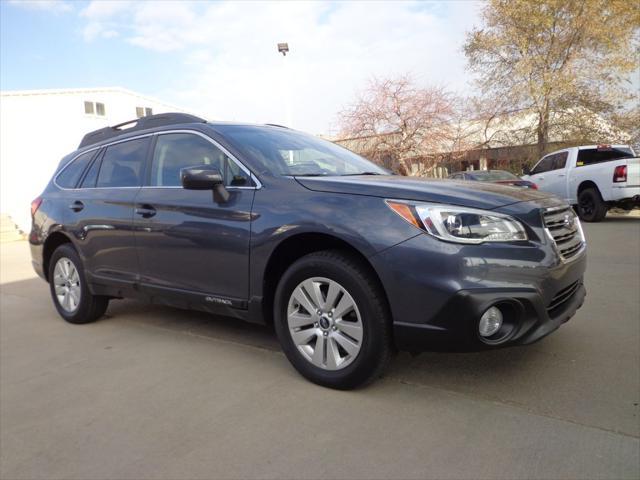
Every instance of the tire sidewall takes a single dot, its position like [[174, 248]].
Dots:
[[82, 311], [359, 369]]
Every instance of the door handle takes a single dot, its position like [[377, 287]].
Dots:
[[76, 206], [562, 174], [145, 211]]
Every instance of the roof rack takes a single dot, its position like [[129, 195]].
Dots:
[[276, 125], [143, 123]]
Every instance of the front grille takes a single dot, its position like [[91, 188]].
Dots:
[[562, 296], [564, 228]]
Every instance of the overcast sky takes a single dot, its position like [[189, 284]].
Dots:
[[219, 59]]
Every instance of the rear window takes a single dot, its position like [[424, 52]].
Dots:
[[122, 164], [493, 176], [590, 156], [70, 175]]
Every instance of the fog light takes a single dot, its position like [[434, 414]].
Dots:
[[490, 322]]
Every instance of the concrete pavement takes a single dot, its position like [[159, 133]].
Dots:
[[153, 392]]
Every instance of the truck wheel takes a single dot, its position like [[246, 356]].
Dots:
[[69, 290], [332, 320], [591, 207]]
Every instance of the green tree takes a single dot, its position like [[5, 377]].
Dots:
[[567, 61]]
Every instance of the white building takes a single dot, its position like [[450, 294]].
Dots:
[[39, 127]]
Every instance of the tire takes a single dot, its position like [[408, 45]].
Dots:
[[591, 207], [67, 282], [356, 344]]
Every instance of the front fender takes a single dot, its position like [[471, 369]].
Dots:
[[365, 223]]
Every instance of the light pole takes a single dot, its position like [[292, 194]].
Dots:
[[283, 48]]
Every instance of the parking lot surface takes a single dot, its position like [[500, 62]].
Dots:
[[151, 392]]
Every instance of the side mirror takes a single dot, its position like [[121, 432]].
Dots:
[[202, 178], [526, 170]]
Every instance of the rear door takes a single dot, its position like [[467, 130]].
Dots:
[[100, 212], [188, 244]]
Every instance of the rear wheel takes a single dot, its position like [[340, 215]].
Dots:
[[332, 320], [69, 290], [591, 207]]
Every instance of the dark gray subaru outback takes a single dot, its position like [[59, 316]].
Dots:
[[270, 225]]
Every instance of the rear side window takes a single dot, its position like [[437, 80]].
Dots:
[[122, 164], [590, 156], [70, 175], [90, 178], [175, 151]]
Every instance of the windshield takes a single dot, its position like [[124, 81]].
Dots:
[[281, 151], [493, 176]]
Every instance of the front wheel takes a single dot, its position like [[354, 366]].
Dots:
[[69, 290], [591, 207], [332, 320]]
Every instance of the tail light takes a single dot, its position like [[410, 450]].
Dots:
[[533, 185], [620, 174], [35, 205]]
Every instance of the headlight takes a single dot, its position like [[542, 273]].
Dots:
[[459, 224]]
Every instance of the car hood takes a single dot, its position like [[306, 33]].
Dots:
[[451, 192]]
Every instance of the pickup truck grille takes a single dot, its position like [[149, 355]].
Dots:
[[563, 227]]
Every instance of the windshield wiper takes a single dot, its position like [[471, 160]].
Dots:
[[361, 173], [309, 174]]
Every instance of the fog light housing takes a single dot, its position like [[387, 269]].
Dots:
[[490, 322]]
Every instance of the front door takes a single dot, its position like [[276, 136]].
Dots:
[[187, 243], [556, 178]]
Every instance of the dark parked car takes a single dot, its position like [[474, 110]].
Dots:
[[270, 225], [494, 176]]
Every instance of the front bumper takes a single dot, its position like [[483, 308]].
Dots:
[[532, 320], [438, 291]]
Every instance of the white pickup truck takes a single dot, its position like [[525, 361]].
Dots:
[[593, 178]]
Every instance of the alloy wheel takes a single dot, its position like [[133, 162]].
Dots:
[[324, 323], [66, 280], [587, 205]]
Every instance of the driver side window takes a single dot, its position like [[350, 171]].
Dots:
[[175, 151], [543, 165]]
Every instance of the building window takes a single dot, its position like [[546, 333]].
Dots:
[[94, 108], [143, 112]]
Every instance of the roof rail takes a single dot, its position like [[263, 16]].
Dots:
[[143, 123], [276, 125]]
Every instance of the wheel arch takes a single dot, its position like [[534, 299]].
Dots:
[[53, 241], [588, 184], [297, 246]]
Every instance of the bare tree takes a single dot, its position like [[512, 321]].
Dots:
[[393, 121]]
